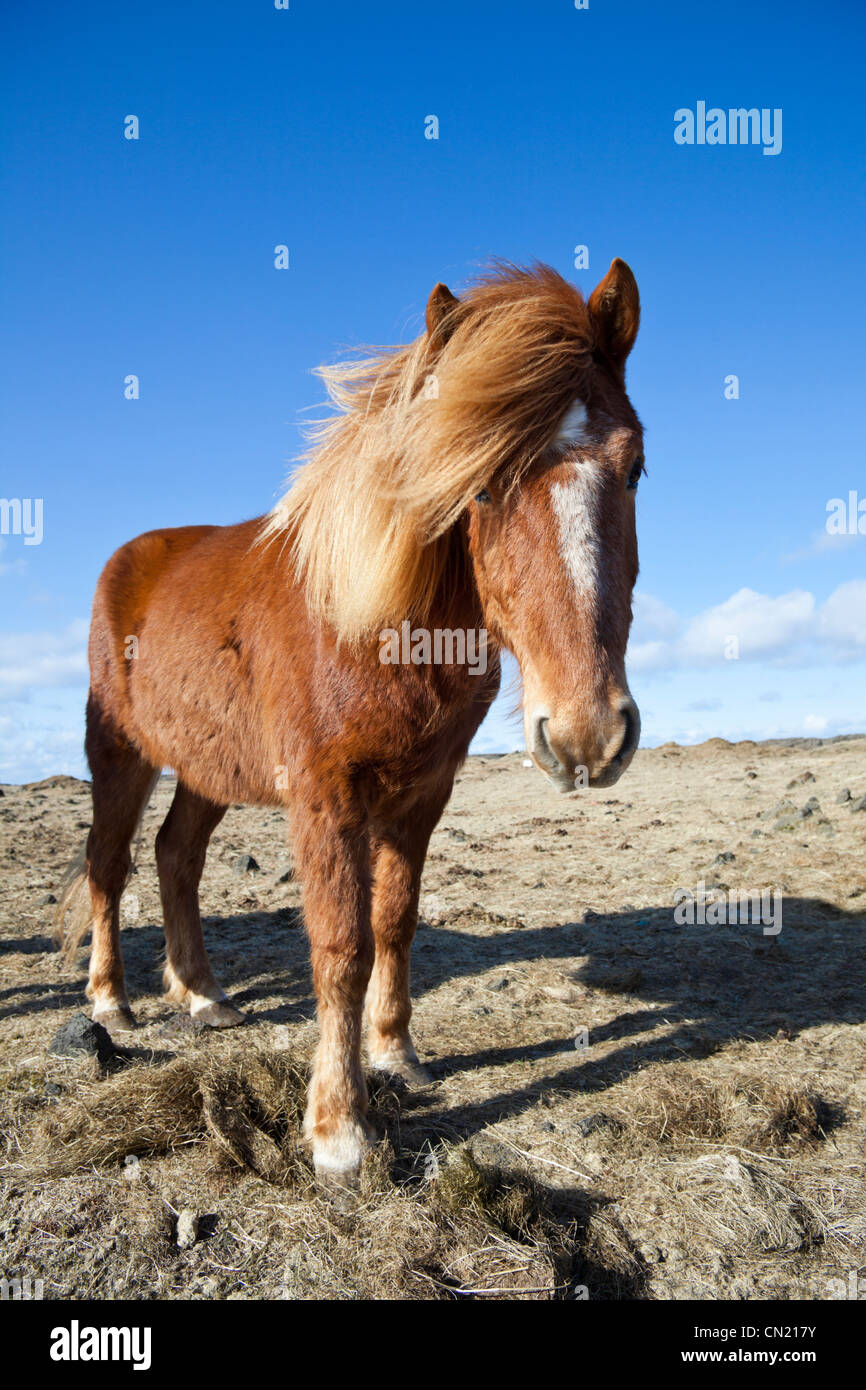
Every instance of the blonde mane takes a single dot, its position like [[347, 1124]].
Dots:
[[419, 431]]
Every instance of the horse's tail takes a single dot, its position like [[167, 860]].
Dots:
[[73, 915]]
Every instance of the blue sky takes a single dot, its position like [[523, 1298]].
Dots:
[[306, 127]]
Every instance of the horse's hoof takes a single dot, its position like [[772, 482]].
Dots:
[[412, 1073], [219, 1014], [116, 1020], [342, 1190], [339, 1152]]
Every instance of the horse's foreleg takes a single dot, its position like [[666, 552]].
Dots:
[[398, 859], [181, 846], [334, 861]]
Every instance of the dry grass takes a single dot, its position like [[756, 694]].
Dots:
[[467, 1230], [250, 1103], [755, 1112], [470, 1228], [708, 1144], [744, 1207]]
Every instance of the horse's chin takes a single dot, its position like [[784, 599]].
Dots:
[[568, 785], [610, 775]]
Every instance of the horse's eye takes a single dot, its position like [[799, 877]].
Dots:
[[634, 476], [482, 496]]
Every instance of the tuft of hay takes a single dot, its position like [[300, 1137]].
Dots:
[[514, 1204], [142, 1110], [250, 1104], [759, 1113], [554, 1243], [474, 1230], [744, 1207]]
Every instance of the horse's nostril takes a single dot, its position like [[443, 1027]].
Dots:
[[631, 730], [540, 743]]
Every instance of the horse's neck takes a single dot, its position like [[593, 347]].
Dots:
[[456, 603]]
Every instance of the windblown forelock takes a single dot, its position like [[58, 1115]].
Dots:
[[419, 433]]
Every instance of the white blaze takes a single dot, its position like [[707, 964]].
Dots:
[[576, 507]]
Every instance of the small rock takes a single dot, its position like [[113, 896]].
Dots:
[[187, 1228], [495, 985], [47, 900], [82, 1035], [811, 806], [844, 795], [801, 780], [791, 820], [859, 805], [650, 1254], [287, 877], [132, 1168], [245, 864], [726, 857], [547, 1127], [180, 1025], [590, 1123]]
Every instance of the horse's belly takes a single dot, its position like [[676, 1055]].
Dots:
[[194, 710]]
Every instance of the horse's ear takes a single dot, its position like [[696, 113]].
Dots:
[[440, 315], [614, 307]]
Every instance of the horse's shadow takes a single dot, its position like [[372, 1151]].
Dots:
[[713, 985]]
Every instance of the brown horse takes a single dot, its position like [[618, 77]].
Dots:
[[481, 478]]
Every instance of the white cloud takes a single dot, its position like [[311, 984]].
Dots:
[[653, 619], [843, 616], [33, 660], [791, 629], [815, 723], [824, 543], [761, 626]]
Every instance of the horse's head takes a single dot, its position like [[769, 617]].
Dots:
[[553, 542]]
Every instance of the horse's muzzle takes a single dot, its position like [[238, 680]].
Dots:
[[594, 757]]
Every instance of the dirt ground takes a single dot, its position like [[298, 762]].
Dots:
[[621, 1106]]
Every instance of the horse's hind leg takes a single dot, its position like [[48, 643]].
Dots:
[[181, 846], [122, 783]]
